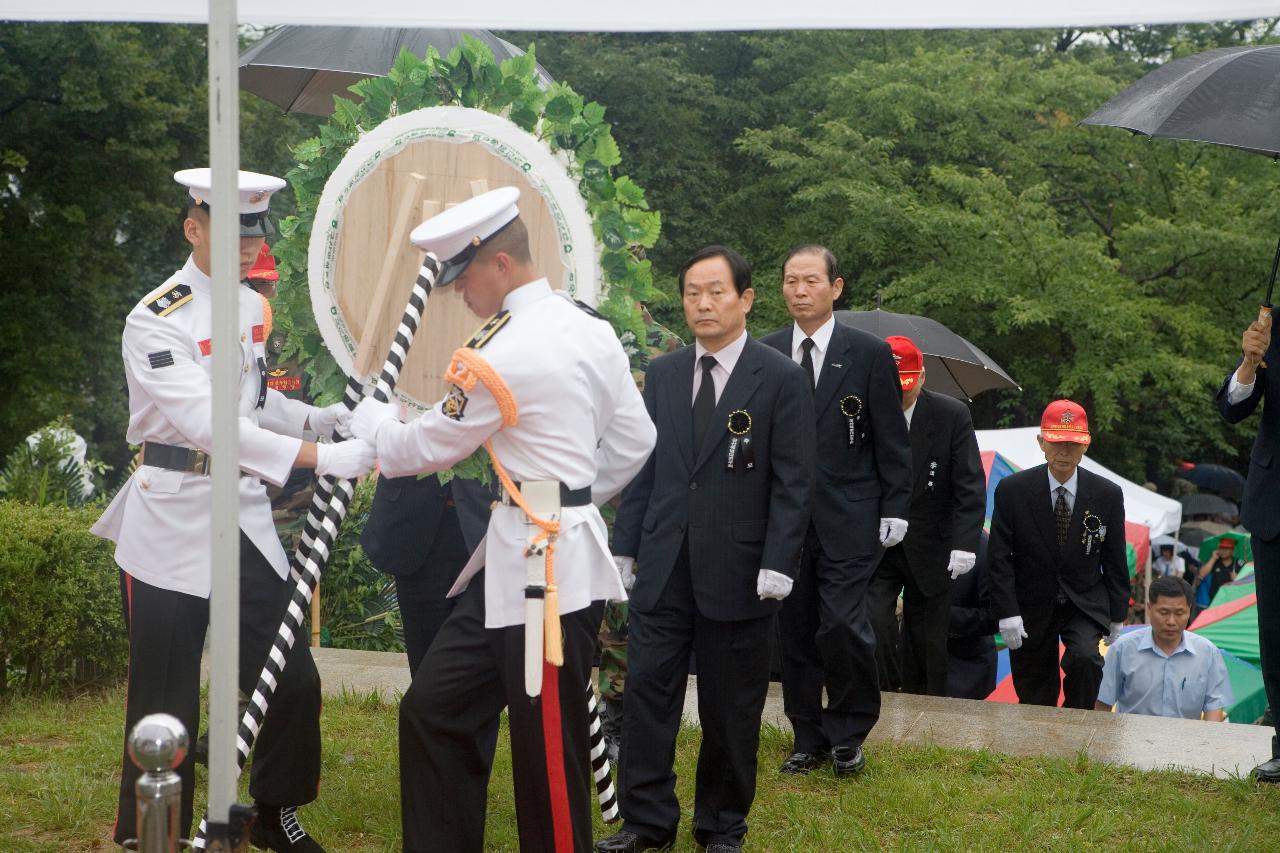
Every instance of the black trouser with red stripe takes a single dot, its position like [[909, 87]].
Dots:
[[447, 717], [166, 638]]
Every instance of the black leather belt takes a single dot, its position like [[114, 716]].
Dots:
[[568, 497], [175, 457]]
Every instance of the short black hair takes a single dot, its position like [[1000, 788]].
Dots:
[[1170, 587], [737, 265], [828, 257]]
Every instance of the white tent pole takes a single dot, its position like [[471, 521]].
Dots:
[[224, 602]]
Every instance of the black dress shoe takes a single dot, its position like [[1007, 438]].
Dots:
[[277, 828], [627, 841], [1268, 771], [848, 760], [803, 762]]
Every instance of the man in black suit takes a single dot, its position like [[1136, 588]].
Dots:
[[860, 504], [711, 526], [948, 505], [1057, 565], [1260, 512], [421, 533]]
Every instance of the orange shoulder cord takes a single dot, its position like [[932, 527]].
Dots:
[[466, 368], [266, 316]]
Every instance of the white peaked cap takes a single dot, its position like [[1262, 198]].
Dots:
[[255, 189], [454, 235]]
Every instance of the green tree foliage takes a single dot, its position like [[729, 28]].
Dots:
[[949, 174], [94, 121]]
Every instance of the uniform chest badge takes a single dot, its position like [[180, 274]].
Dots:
[[852, 408]]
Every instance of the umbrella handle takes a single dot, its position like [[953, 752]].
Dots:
[[1271, 283]]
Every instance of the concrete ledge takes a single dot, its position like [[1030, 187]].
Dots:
[[1148, 743]]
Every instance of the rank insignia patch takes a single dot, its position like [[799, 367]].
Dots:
[[486, 332], [163, 358], [170, 300], [454, 403]]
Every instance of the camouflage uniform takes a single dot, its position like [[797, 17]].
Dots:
[[613, 630]]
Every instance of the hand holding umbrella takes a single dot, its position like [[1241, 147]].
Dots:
[[1254, 343]]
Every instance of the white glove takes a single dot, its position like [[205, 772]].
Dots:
[[892, 531], [961, 563], [1013, 632], [626, 571], [1115, 633], [330, 419], [771, 584], [346, 461], [369, 416]]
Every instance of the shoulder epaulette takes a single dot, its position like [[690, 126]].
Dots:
[[168, 299], [485, 333], [587, 308]]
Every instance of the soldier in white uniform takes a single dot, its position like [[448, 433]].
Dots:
[[548, 388], [160, 520]]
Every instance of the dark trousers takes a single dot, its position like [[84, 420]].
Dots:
[[166, 638], [449, 717], [1266, 571], [827, 640], [921, 664], [1036, 677], [733, 680], [421, 595], [971, 668]]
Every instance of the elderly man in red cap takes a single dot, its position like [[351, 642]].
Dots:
[[948, 503], [1057, 567]]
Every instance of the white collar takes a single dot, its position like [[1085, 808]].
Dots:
[[821, 336], [1071, 484], [194, 277], [726, 356], [527, 294], [911, 410]]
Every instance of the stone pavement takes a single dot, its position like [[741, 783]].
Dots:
[[1222, 749]]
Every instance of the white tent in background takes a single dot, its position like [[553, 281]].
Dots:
[[658, 15], [1163, 516]]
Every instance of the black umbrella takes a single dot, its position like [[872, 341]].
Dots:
[[302, 68], [1207, 505], [1229, 96], [1218, 479], [953, 366]]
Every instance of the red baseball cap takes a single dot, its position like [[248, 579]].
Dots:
[[908, 358], [1064, 420], [264, 269]]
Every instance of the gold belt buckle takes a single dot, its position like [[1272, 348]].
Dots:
[[198, 462]]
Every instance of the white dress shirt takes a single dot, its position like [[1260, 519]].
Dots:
[[726, 359], [910, 410], [1237, 391], [1070, 485], [821, 341]]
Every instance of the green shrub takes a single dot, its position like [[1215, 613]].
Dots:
[[358, 608], [60, 619]]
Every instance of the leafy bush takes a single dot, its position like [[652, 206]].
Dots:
[[60, 619], [51, 469], [358, 607]]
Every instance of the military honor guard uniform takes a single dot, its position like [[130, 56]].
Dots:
[[160, 521], [547, 389]]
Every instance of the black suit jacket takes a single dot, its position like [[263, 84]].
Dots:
[[874, 476], [1260, 510], [971, 627], [405, 517], [948, 489], [1025, 566], [737, 521]]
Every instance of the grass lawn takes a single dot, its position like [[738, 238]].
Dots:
[[59, 761]]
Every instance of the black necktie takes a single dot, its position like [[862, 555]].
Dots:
[[1062, 516], [704, 403], [806, 361]]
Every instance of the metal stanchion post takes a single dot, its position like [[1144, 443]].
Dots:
[[158, 744]]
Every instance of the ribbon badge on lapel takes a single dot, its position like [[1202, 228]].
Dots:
[[740, 429], [1095, 533], [851, 407]]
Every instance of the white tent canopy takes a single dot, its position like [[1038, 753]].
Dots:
[[1160, 514], [658, 15]]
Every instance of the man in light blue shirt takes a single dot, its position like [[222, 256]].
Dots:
[[1163, 670]]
